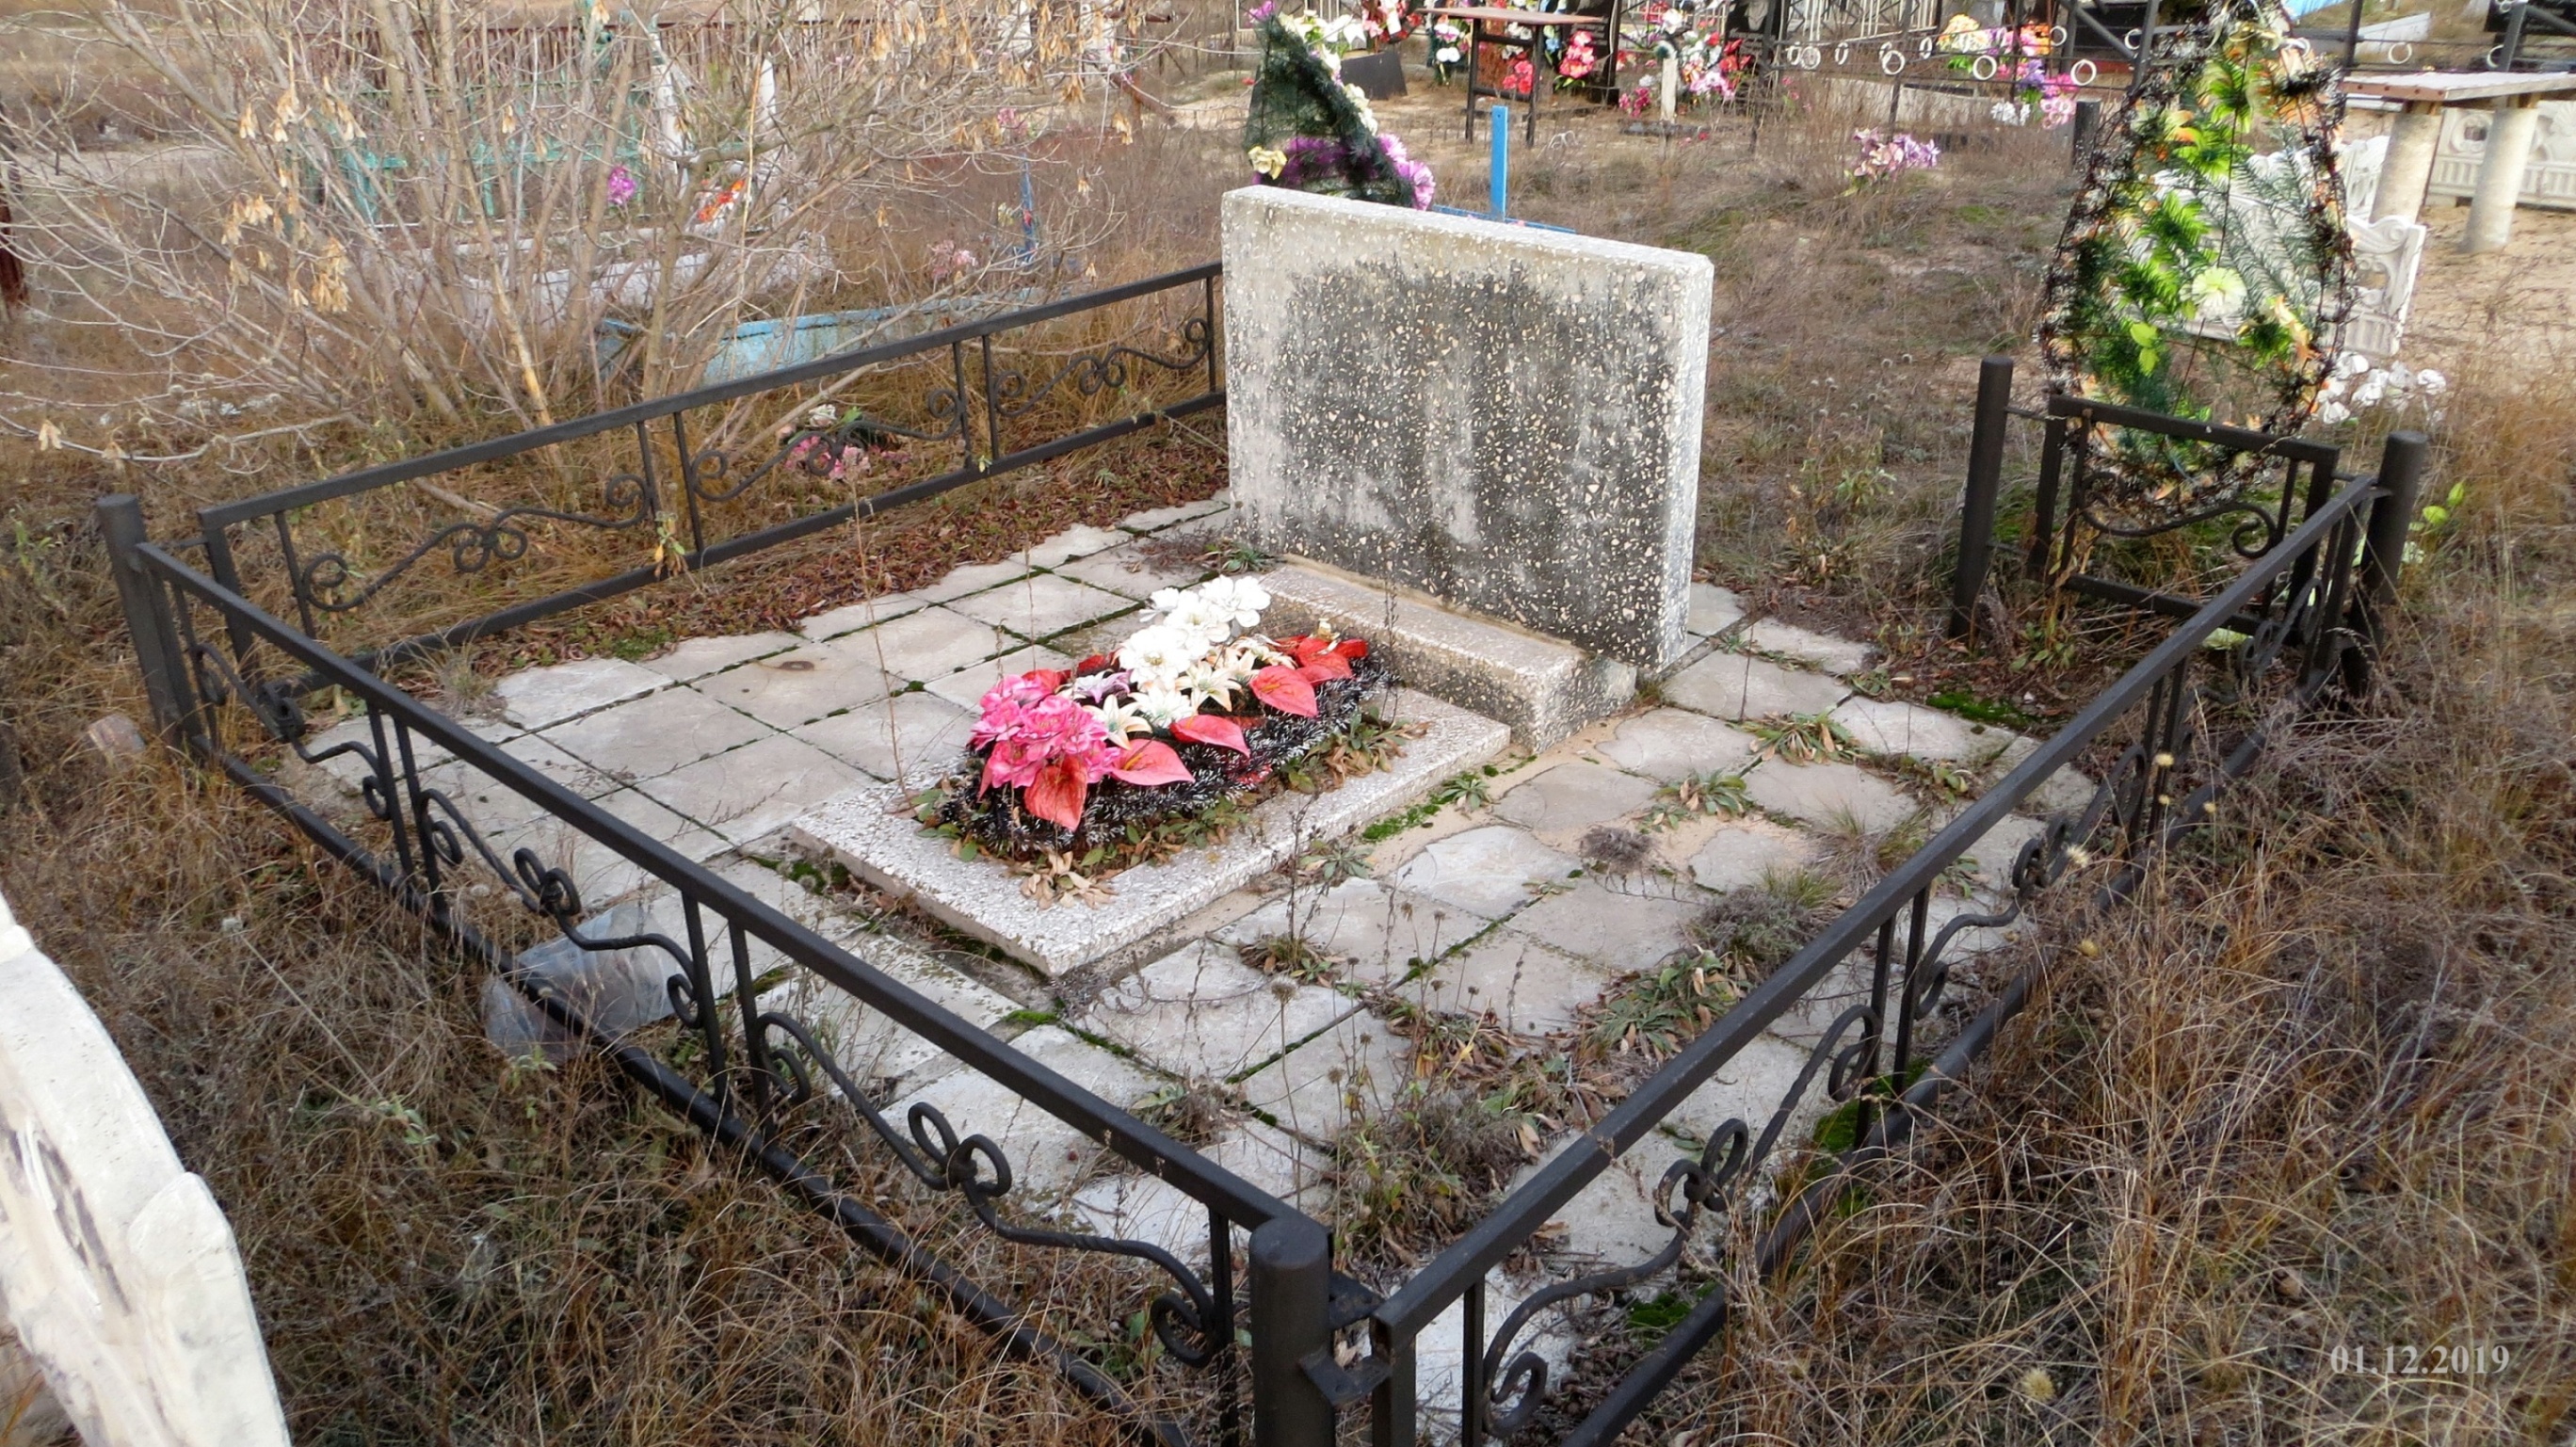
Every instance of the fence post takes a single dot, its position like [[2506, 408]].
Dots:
[[2383, 554], [1985, 479], [1292, 1279], [120, 523]]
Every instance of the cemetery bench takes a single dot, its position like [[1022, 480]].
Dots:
[[2409, 170], [1489, 25]]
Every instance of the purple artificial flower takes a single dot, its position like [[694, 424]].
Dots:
[[621, 185]]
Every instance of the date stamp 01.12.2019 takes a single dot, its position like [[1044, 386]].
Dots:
[[2442, 1359]]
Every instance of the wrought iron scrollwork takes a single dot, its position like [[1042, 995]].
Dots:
[[1101, 371], [328, 582]]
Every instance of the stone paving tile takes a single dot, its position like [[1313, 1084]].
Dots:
[[1971, 940], [1809, 1016], [787, 689], [1079, 541], [600, 874], [491, 806], [1611, 1221], [1526, 986], [1671, 743], [1620, 929], [1204, 1015], [1745, 852], [695, 658], [754, 789], [1046, 1154], [1131, 571], [1816, 650], [1713, 610], [1378, 933], [1829, 795], [532, 698], [973, 578], [1750, 1088], [1995, 851], [1893, 729], [1439, 1354], [654, 734], [869, 1045], [866, 613], [1572, 797], [1738, 686], [1138, 1207], [1484, 871], [921, 730], [1360, 1063], [347, 769], [932, 643], [967, 686], [1157, 519], [1042, 606]]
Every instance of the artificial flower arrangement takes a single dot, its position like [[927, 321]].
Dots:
[[1448, 48], [1883, 155], [1706, 62], [1309, 129], [1387, 21], [1984, 54], [1195, 709]]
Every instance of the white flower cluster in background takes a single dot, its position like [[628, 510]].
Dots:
[[2355, 386], [1195, 649]]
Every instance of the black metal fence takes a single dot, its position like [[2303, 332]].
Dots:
[[228, 675]]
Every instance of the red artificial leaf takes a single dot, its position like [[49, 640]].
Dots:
[[1150, 762], [1352, 648], [1212, 728], [1302, 647], [1096, 663], [1050, 679], [1284, 690], [1323, 666], [1058, 793]]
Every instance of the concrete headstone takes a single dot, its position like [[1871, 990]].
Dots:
[[1505, 418], [117, 1268]]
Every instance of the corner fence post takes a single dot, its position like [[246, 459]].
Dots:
[[2383, 553], [1292, 1277], [120, 523], [1985, 479]]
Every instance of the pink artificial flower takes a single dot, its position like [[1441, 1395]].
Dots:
[[621, 185]]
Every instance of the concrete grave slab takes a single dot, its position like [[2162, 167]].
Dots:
[[1893, 729], [1713, 610], [967, 686], [1829, 795], [1542, 687], [654, 734], [932, 643], [1486, 871], [1572, 797], [1357, 1066], [1671, 744], [1526, 986], [754, 789], [1042, 605], [1621, 929], [1738, 686], [1378, 934], [1202, 1014], [1816, 650], [1046, 1154], [1133, 572], [871, 830], [532, 698], [1745, 852], [787, 689], [695, 658], [921, 731], [1426, 399]]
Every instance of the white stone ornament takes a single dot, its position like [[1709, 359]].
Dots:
[[117, 1268]]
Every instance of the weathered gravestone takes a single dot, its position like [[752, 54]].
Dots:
[[1505, 418], [117, 1268]]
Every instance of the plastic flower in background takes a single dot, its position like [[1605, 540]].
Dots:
[[1416, 172], [1266, 161], [621, 185], [2216, 294], [1882, 156]]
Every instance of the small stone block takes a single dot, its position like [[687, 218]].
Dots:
[[932, 643], [1738, 686], [695, 658], [1572, 797], [1202, 1014], [536, 697], [872, 831], [789, 688], [1486, 871], [913, 737], [1816, 650], [1671, 744], [1713, 610], [1750, 1087], [1892, 729], [1624, 930], [754, 789], [654, 734], [1543, 688], [1527, 987], [1046, 1154], [1830, 795], [1042, 605]]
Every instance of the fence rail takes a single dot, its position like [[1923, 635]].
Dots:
[[1870, 993]]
